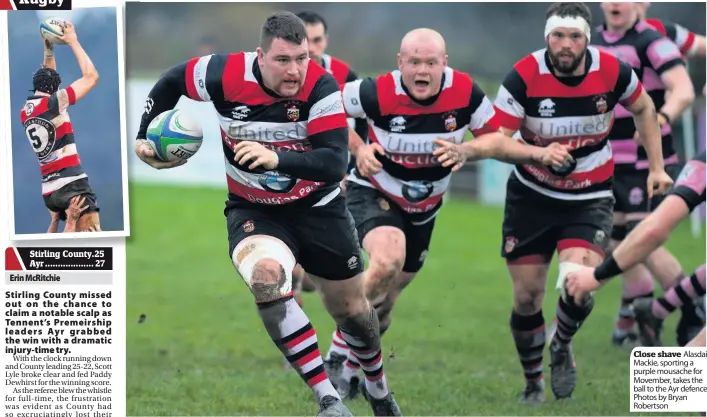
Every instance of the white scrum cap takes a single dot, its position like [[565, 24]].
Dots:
[[577, 22]]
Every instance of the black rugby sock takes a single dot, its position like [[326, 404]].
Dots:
[[569, 319], [529, 336]]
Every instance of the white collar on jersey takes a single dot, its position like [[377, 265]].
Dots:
[[577, 22]]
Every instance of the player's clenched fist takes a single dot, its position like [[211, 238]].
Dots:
[[555, 155], [366, 161], [659, 182], [144, 151]]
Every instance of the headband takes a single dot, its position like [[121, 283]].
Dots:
[[556, 21]]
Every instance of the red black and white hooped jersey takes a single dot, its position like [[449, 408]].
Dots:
[[573, 111], [683, 38], [343, 74], [247, 111], [48, 128], [406, 129], [341, 71]]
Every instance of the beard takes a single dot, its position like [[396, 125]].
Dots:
[[566, 68]]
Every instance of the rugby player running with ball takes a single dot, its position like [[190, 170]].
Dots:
[[306, 222]]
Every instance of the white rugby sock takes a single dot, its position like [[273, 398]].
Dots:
[[338, 345], [351, 367]]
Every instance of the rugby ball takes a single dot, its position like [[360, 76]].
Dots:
[[51, 28], [174, 135]]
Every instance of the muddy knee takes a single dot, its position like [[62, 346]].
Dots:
[[268, 280], [266, 265], [363, 326]]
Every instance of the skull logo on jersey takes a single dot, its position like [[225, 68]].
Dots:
[[417, 191], [276, 182]]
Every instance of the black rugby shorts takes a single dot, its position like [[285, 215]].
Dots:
[[322, 239], [631, 196], [370, 208], [535, 226], [59, 200]]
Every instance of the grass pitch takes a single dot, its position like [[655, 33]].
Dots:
[[201, 349]]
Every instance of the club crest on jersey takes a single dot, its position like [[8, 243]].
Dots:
[[248, 226], [635, 196], [546, 108], [292, 112], [450, 123], [600, 101], [383, 204]]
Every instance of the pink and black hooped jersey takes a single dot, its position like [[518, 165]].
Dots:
[[690, 185], [683, 38], [650, 55]]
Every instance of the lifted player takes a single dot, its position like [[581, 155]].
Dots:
[[284, 136], [565, 93], [688, 194], [396, 190], [658, 64], [47, 125]]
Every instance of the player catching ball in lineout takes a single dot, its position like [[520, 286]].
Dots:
[[48, 128]]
